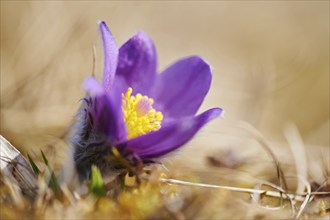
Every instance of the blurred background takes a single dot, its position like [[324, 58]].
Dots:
[[270, 67]]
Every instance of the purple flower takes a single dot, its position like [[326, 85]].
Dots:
[[139, 112]]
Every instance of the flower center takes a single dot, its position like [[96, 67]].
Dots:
[[139, 115]]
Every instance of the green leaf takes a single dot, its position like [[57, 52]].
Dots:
[[55, 186], [53, 182], [97, 186], [44, 157], [34, 166]]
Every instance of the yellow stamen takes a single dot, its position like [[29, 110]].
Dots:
[[139, 115]]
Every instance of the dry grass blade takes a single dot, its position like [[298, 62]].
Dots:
[[14, 190], [260, 138], [306, 199], [256, 196], [321, 186], [280, 194], [298, 151], [16, 168], [94, 61], [296, 145]]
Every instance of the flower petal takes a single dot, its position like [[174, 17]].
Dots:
[[169, 137], [105, 110], [93, 87], [181, 88], [137, 64], [110, 56]]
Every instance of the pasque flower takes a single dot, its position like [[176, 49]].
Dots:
[[140, 113]]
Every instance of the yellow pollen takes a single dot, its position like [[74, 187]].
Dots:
[[139, 115]]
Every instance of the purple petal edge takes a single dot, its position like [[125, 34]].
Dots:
[[106, 115], [137, 63], [111, 52], [171, 136], [182, 87], [92, 86]]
